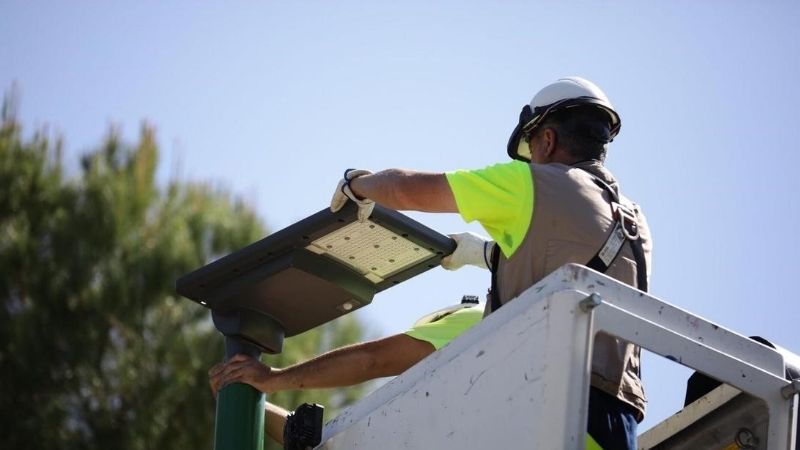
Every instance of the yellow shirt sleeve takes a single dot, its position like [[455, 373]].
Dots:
[[500, 197], [440, 332]]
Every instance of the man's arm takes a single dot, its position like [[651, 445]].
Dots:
[[341, 367], [353, 364], [274, 421], [402, 189]]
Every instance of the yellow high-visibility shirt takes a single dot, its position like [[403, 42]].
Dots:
[[500, 197], [446, 328]]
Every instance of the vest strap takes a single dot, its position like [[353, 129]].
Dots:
[[625, 229], [603, 259], [494, 295], [641, 265]]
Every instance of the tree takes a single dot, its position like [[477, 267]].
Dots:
[[96, 349]]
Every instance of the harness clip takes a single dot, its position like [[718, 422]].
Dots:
[[627, 219]]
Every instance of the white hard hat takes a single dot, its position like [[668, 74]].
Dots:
[[565, 93]]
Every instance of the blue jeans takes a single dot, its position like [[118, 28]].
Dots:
[[612, 422]]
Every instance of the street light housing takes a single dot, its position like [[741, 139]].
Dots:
[[311, 272]]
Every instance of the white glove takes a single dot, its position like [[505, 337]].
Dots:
[[471, 249], [343, 193]]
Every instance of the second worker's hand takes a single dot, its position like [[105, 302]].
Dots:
[[240, 369]]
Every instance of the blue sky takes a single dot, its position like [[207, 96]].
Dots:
[[274, 99]]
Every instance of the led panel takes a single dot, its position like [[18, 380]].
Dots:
[[317, 269], [371, 250]]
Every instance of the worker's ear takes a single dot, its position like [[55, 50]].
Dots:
[[549, 142]]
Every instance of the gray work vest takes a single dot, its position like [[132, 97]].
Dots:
[[571, 221]]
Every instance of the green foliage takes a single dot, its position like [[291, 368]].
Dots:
[[96, 349]]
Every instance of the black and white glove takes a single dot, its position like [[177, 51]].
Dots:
[[343, 193], [472, 249]]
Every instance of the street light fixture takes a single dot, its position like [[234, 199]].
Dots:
[[320, 268]]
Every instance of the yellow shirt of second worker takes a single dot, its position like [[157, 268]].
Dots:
[[448, 327]]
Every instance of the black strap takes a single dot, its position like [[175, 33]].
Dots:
[[641, 265], [597, 262], [612, 247], [494, 294], [608, 253]]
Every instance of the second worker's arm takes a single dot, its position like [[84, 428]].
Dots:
[[274, 421], [341, 367]]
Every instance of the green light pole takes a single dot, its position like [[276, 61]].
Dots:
[[240, 408], [239, 421]]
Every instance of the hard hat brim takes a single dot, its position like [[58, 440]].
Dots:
[[517, 147]]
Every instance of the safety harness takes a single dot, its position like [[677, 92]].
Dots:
[[626, 229]]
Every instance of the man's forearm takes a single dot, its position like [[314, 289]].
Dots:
[[351, 365], [274, 421], [342, 367], [402, 189]]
